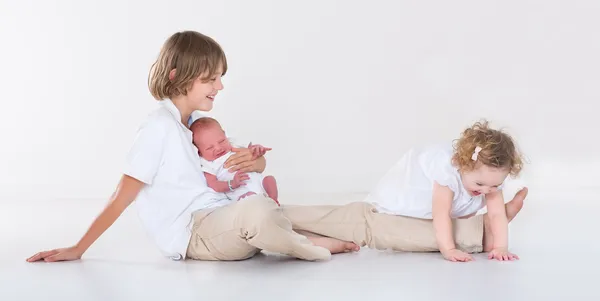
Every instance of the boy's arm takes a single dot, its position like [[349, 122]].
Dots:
[[126, 192], [243, 161]]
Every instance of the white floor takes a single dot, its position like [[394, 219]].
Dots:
[[557, 240]]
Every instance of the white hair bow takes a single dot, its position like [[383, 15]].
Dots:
[[476, 153]]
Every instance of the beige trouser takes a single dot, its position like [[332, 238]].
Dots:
[[242, 229], [360, 223]]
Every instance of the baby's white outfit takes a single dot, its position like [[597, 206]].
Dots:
[[216, 167], [407, 188]]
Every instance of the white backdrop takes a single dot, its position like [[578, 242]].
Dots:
[[335, 87]]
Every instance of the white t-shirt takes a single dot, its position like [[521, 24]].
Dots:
[[253, 184], [164, 158], [407, 188]]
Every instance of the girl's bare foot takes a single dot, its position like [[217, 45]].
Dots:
[[512, 209], [334, 245]]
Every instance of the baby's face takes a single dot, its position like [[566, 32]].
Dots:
[[484, 179], [211, 143]]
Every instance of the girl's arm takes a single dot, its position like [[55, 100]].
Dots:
[[498, 221], [442, 223], [126, 192], [499, 226]]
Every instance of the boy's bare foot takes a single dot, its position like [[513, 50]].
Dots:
[[334, 245], [512, 209]]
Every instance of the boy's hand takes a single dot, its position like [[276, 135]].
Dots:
[[457, 255], [502, 254], [258, 150], [64, 254], [243, 160], [238, 179]]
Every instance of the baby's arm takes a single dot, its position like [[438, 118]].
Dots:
[[224, 186], [442, 223], [499, 226]]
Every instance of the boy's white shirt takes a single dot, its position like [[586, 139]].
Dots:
[[407, 187], [164, 158]]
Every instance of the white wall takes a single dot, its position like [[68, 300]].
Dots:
[[332, 86]]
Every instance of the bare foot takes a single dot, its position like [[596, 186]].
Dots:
[[334, 245], [512, 209]]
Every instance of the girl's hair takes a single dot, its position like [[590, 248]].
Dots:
[[192, 55], [494, 148]]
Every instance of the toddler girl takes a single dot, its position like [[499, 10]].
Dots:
[[444, 182]]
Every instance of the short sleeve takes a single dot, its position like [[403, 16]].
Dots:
[[437, 167], [145, 155]]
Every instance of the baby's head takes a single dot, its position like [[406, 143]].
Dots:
[[209, 138], [485, 157]]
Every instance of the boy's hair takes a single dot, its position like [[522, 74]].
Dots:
[[192, 54], [497, 149], [204, 123]]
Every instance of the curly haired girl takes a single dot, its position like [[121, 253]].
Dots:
[[445, 182]]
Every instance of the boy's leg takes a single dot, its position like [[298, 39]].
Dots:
[[512, 209], [361, 223], [270, 186], [333, 245], [240, 230]]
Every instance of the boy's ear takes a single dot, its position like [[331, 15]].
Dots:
[[172, 74]]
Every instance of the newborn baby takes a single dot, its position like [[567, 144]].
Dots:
[[214, 149]]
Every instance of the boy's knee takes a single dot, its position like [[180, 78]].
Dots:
[[258, 209]]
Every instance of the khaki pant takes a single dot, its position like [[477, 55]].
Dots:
[[361, 223], [242, 229]]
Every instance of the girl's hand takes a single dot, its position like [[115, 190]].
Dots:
[[64, 254], [457, 255], [502, 254]]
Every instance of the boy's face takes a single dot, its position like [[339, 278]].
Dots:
[[203, 92], [211, 142]]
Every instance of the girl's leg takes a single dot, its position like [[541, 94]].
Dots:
[[512, 209]]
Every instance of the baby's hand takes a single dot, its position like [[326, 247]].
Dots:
[[258, 150], [502, 254], [457, 255], [238, 179]]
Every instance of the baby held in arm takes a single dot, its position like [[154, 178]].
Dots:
[[214, 149]]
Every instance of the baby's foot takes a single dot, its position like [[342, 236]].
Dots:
[[334, 245]]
